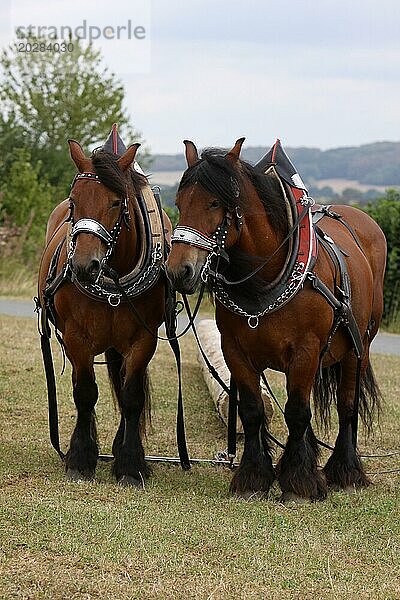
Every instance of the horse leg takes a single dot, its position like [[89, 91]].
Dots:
[[255, 473], [114, 367], [297, 469], [81, 458], [344, 469], [130, 467]]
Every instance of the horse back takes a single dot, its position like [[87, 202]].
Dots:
[[370, 236]]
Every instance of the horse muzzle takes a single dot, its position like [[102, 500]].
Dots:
[[184, 277], [87, 272]]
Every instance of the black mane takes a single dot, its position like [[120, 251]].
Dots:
[[110, 174], [223, 178]]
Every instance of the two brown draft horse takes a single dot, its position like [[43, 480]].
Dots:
[[98, 226], [235, 230]]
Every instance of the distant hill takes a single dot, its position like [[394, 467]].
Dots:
[[370, 164]]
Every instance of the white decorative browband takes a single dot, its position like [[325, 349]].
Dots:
[[93, 227], [188, 235]]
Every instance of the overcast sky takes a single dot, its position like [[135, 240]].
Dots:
[[320, 73]]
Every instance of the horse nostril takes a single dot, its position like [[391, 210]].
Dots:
[[94, 267], [187, 271]]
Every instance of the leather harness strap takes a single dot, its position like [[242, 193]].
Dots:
[[343, 311], [51, 383], [319, 212]]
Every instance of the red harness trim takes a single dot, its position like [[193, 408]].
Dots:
[[277, 143], [307, 251]]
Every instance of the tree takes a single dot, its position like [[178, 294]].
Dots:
[[48, 97], [26, 201], [12, 136]]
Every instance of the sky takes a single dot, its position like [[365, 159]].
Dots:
[[320, 73]]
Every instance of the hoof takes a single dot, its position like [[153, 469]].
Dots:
[[345, 475], [292, 498], [347, 489], [130, 481], [77, 476], [253, 480]]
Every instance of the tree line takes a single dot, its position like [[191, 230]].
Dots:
[[370, 164]]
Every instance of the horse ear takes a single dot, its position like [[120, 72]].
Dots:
[[78, 155], [235, 152], [192, 156], [128, 157]]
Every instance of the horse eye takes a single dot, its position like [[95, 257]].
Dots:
[[215, 203], [116, 203]]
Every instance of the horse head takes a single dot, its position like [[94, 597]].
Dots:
[[208, 200], [100, 207]]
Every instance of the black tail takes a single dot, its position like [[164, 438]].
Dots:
[[145, 418], [370, 399], [325, 392], [115, 373]]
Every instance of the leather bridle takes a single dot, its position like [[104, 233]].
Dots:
[[214, 244], [88, 225], [194, 237]]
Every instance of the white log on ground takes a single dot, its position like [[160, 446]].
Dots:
[[211, 342]]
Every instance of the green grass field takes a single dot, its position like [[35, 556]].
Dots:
[[183, 537]]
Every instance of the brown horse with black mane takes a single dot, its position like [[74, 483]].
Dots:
[[99, 227], [235, 229]]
